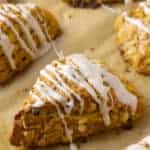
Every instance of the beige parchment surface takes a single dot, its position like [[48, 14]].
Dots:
[[90, 32]]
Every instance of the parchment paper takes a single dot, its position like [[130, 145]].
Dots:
[[90, 32]]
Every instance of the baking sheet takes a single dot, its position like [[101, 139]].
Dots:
[[90, 32]]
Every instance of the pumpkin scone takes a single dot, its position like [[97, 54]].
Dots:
[[92, 3], [144, 144], [72, 99], [26, 31], [133, 37]]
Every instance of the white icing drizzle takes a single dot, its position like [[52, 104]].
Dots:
[[68, 105], [41, 86], [142, 145], [9, 24], [137, 22], [6, 14], [71, 74], [96, 76], [59, 53], [87, 75], [136, 147], [45, 74], [52, 96], [8, 47], [33, 22], [65, 86], [31, 6], [38, 102], [146, 7], [123, 95]]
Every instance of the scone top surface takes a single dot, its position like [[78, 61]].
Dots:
[[81, 97], [81, 72], [133, 36], [26, 31]]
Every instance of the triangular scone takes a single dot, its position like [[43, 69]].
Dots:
[[72, 99], [133, 37], [144, 144], [26, 31]]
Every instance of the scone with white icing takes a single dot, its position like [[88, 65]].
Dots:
[[72, 99], [133, 37], [26, 31], [144, 144]]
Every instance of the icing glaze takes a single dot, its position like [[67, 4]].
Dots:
[[146, 7], [38, 102], [144, 144], [136, 147], [7, 14], [87, 75], [10, 25], [48, 93], [7, 47], [97, 75], [63, 86], [137, 22]]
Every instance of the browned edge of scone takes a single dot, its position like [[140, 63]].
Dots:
[[37, 139], [17, 137]]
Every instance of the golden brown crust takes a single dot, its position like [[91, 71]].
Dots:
[[20, 56], [41, 130], [35, 128], [42, 126], [133, 41]]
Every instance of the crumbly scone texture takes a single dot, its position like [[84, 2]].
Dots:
[[133, 41], [39, 127], [90, 3], [21, 37]]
